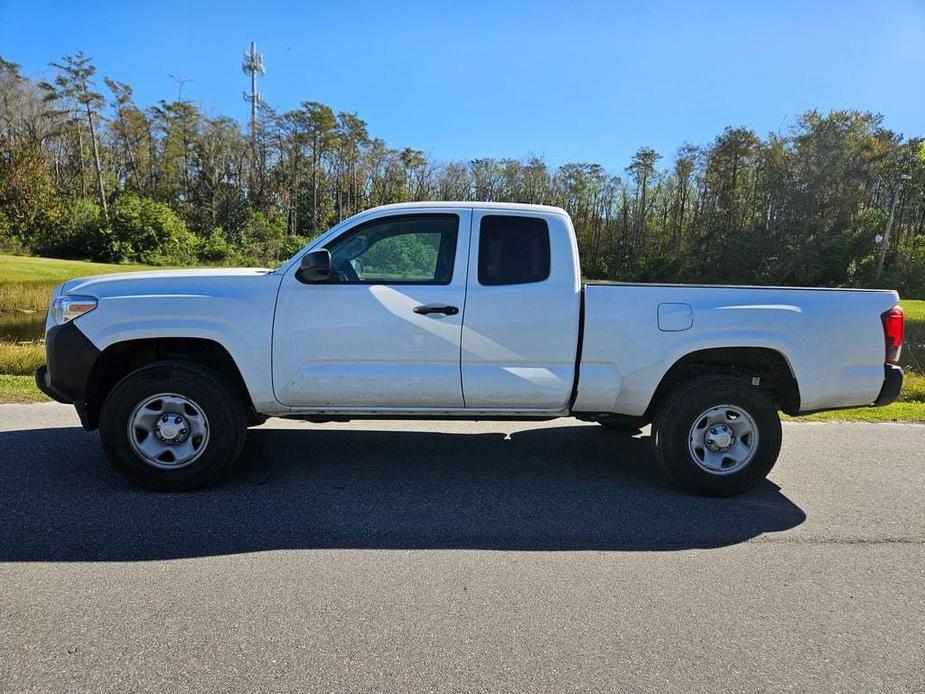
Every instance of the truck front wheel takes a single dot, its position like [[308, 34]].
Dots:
[[717, 435], [172, 425]]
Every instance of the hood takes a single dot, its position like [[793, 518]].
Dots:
[[158, 281]]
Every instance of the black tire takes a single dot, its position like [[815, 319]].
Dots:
[[681, 409], [221, 404]]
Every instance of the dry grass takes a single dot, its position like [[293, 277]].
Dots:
[[32, 296], [21, 359]]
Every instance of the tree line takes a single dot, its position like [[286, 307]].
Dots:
[[86, 172]]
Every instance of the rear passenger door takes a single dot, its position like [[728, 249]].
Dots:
[[520, 329]]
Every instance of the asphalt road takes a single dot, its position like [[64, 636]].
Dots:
[[436, 556]]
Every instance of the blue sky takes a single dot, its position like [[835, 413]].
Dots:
[[570, 81]]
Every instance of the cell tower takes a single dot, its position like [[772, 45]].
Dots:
[[253, 66], [180, 84]]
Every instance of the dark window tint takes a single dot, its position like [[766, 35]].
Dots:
[[513, 250], [409, 249]]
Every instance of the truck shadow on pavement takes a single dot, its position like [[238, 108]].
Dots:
[[551, 488]]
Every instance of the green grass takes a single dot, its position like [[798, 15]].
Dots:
[[15, 268], [26, 283], [914, 310], [913, 356], [897, 412], [19, 389], [913, 387]]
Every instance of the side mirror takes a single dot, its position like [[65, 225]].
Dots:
[[315, 267]]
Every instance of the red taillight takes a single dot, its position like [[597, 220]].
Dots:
[[894, 324]]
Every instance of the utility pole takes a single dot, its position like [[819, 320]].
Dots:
[[885, 243], [253, 66]]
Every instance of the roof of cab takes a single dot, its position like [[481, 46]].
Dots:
[[471, 204]]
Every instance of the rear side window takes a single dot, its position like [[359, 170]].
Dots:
[[513, 250]]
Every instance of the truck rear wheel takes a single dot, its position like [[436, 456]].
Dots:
[[172, 426], [717, 435]]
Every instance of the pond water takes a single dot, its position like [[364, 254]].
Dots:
[[22, 327]]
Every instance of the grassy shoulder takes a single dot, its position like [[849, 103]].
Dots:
[[19, 390], [21, 359], [899, 411]]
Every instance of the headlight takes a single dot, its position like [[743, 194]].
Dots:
[[68, 307]]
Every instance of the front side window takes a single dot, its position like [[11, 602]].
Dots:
[[408, 249], [513, 250]]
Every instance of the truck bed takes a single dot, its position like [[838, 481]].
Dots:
[[832, 339]]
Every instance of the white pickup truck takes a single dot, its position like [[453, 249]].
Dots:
[[457, 310]]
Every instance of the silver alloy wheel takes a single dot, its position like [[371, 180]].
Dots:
[[723, 439], [168, 431]]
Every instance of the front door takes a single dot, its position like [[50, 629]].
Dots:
[[385, 332]]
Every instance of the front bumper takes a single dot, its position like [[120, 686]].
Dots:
[[44, 385], [892, 384], [66, 377]]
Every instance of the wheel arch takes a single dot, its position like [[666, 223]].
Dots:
[[770, 367], [121, 358]]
